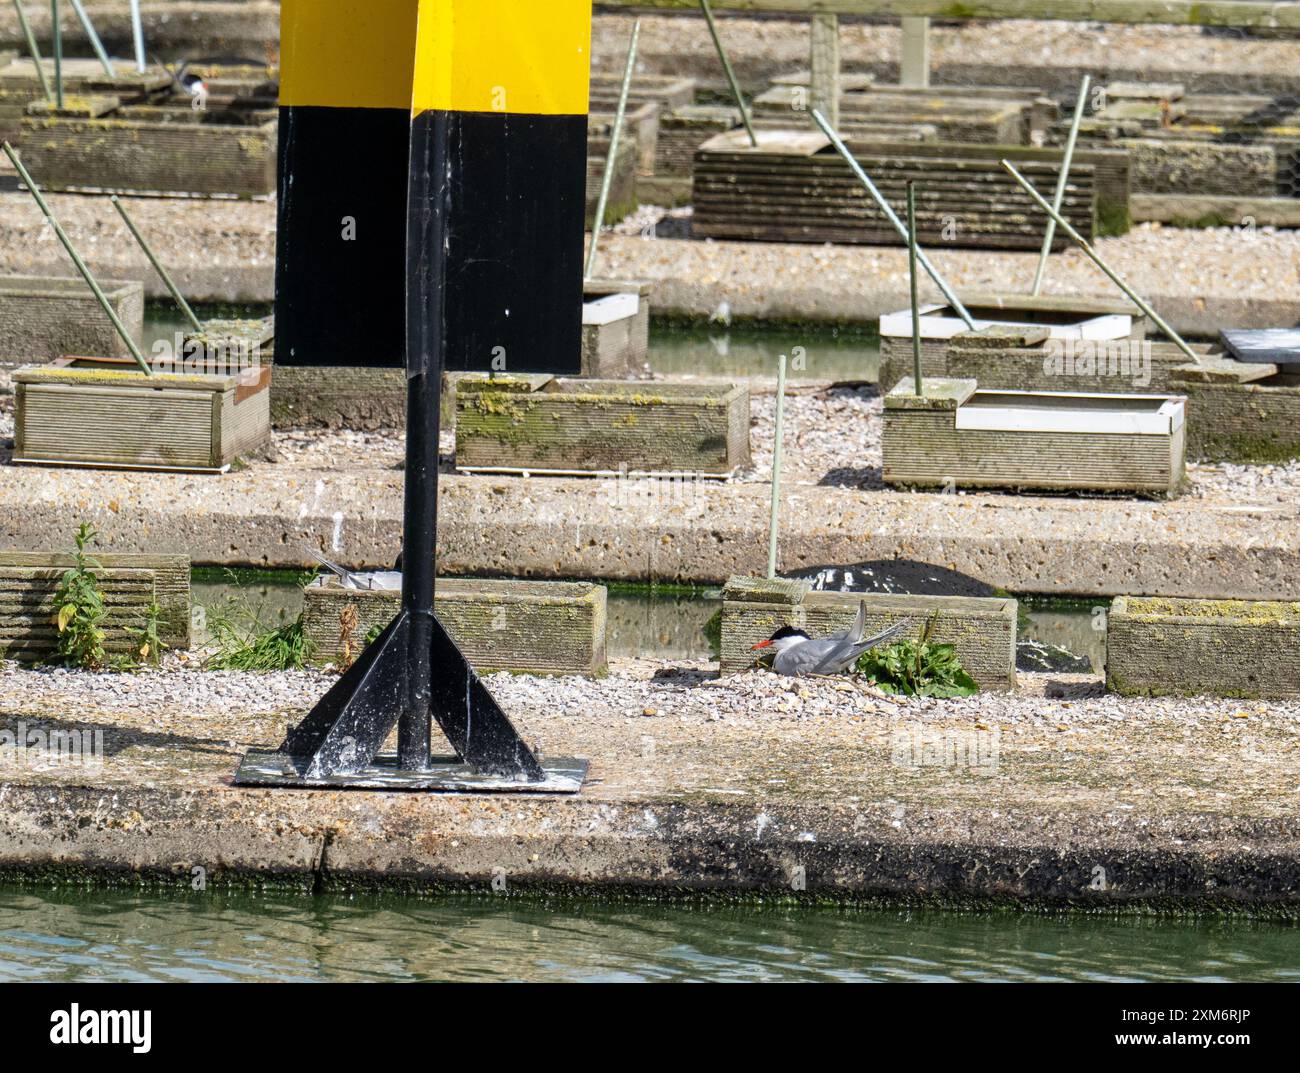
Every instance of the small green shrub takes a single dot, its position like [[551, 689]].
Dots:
[[244, 642], [918, 668], [150, 647], [80, 609]]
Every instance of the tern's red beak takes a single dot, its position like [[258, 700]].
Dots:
[[761, 644]]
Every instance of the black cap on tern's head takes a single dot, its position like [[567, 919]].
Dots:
[[781, 635]]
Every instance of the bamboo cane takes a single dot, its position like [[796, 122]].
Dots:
[[1096, 259], [33, 48], [103, 301], [153, 260], [731, 75], [892, 217], [916, 299], [611, 161], [773, 529], [1061, 183]]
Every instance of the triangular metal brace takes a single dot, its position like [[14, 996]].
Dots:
[[337, 745]]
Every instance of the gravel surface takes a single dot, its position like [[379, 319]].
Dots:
[[656, 729]]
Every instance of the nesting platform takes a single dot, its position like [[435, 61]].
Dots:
[[106, 412], [168, 149], [130, 585], [543, 424], [794, 187], [982, 629], [1237, 411], [531, 627], [1221, 648], [1037, 319], [45, 317], [956, 436]]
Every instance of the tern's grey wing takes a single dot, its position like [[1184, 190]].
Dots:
[[801, 659], [845, 655]]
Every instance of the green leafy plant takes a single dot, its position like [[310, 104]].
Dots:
[[243, 641], [150, 645], [80, 610], [918, 668]]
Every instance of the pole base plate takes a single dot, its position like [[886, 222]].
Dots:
[[448, 774]]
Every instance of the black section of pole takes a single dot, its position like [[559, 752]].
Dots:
[[428, 210]]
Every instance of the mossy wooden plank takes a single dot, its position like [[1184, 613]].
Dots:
[[983, 630], [599, 426], [533, 627], [1222, 648], [130, 584], [132, 152]]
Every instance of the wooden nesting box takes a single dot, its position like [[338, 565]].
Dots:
[[615, 328], [130, 583], [105, 412], [982, 629], [142, 149], [1093, 319], [541, 424], [958, 436], [531, 627], [1220, 648], [794, 187], [45, 317]]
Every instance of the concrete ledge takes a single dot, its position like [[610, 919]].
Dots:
[[564, 528], [424, 843]]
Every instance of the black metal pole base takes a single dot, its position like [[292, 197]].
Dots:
[[337, 745]]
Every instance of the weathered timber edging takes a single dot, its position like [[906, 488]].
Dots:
[[596, 528]]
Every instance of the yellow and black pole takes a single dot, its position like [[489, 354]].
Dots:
[[432, 189]]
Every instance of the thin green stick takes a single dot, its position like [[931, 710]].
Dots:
[[58, 53], [1095, 257], [104, 303], [731, 75], [916, 290], [153, 260], [95, 43], [892, 217], [773, 529], [33, 49], [1061, 183], [611, 161]]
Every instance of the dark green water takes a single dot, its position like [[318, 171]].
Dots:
[[74, 936], [675, 350]]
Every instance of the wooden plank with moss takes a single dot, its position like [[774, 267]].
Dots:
[[1158, 646], [147, 150], [130, 584], [529, 627], [106, 412], [982, 629], [600, 426]]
